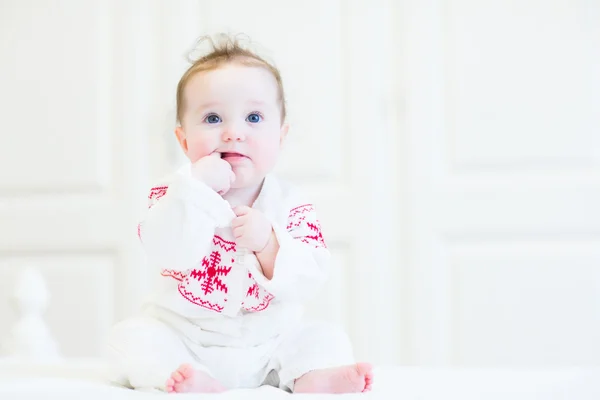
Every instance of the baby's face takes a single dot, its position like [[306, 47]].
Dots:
[[234, 110]]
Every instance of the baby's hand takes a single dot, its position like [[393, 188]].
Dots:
[[214, 172], [251, 229]]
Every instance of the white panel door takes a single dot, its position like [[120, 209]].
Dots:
[[68, 172], [503, 122]]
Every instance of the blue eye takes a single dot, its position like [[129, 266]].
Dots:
[[254, 118], [212, 119]]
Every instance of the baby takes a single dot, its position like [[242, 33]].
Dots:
[[235, 251]]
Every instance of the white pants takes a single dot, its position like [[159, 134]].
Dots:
[[144, 351]]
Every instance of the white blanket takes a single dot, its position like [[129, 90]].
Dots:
[[406, 383]]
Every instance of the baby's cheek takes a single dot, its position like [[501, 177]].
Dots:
[[198, 149], [269, 156]]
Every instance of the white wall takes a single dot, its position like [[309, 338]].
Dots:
[[452, 149]]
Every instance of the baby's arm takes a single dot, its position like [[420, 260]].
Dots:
[[266, 257], [180, 222], [295, 262]]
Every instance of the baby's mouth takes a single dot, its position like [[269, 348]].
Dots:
[[232, 155]]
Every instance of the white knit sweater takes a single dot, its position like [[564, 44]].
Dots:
[[209, 289]]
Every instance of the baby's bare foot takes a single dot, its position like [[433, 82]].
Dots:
[[186, 379], [349, 379]]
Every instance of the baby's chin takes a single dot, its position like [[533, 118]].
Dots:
[[244, 179]]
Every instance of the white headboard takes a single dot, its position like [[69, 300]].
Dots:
[[30, 338]]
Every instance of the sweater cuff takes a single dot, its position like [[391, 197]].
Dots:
[[199, 195], [286, 274]]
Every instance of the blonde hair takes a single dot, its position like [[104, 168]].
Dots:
[[226, 50]]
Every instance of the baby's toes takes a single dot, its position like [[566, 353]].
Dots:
[[186, 371], [177, 377]]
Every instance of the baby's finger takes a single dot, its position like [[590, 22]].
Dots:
[[224, 189], [241, 210], [238, 232], [237, 221]]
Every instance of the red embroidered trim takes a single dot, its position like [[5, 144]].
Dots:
[[155, 194], [301, 210], [254, 291], [263, 305], [197, 300], [157, 191], [292, 224], [177, 275], [317, 241], [297, 218], [318, 237], [224, 244]]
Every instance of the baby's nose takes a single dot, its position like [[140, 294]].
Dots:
[[232, 134]]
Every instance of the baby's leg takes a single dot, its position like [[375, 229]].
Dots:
[[318, 359], [148, 355]]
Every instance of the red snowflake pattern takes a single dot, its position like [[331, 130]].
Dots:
[[209, 278], [206, 286]]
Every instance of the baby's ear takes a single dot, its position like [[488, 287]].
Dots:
[[283, 133], [180, 133]]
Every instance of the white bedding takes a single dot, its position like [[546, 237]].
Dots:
[[83, 381]]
